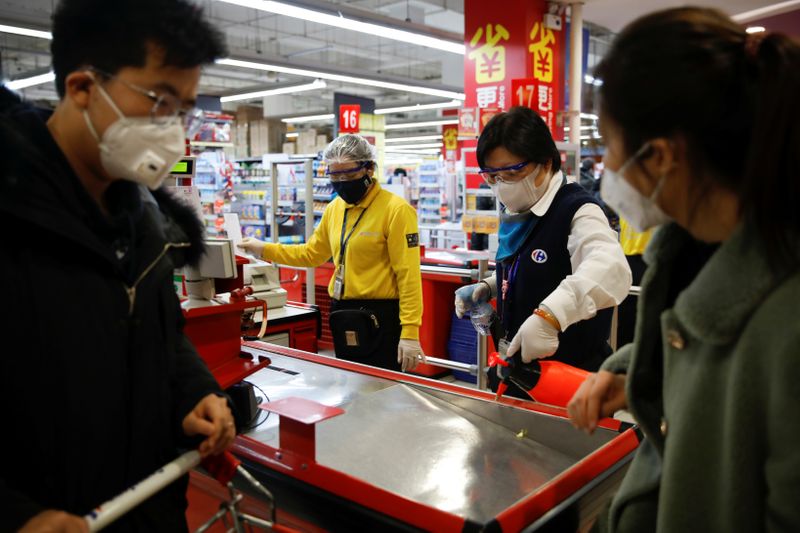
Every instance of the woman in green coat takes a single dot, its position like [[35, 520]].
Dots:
[[702, 125]]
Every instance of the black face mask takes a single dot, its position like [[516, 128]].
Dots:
[[354, 190]]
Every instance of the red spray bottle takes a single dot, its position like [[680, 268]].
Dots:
[[550, 382]]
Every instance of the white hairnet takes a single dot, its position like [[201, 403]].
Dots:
[[349, 148]]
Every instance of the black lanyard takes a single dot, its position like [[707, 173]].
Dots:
[[343, 241]]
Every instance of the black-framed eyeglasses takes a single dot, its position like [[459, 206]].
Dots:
[[166, 107], [507, 174], [347, 174]]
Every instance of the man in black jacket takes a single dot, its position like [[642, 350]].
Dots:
[[102, 386]]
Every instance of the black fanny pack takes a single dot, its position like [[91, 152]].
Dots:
[[356, 332], [357, 326]]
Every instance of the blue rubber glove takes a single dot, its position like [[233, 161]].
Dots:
[[470, 295]]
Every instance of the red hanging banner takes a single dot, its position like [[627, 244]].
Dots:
[[508, 44], [546, 61]]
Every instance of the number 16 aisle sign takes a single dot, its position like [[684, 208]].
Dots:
[[349, 117]]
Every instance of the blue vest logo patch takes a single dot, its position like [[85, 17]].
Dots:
[[539, 256]]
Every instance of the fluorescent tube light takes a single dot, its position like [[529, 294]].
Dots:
[[309, 118], [341, 78], [392, 140], [755, 29], [419, 107], [420, 145], [378, 30], [766, 11], [292, 135], [443, 122], [16, 85], [316, 84], [16, 30], [414, 151]]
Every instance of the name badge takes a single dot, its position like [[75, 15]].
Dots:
[[338, 284]]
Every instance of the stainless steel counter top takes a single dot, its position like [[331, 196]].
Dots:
[[467, 456]]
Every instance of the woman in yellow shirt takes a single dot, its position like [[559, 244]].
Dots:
[[372, 236]]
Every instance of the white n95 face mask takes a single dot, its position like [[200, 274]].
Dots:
[[641, 212], [521, 195], [136, 149]]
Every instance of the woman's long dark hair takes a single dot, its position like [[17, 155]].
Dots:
[[734, 98]]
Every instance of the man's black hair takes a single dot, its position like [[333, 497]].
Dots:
[[112, 34], [522, 132]]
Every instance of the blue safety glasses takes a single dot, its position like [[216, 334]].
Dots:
[[507, 174], [347, 174]]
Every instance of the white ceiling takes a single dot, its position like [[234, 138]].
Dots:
[[615, 14], [264, 37]]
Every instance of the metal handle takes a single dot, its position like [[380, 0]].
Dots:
[[452, 365]]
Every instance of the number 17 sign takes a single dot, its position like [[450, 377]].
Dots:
[[349, 118], [532, 93]]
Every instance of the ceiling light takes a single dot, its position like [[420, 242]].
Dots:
[[317, 84], [755, 29], [419, 107], [292, 135], [769, 10], [16, 85], [427, 151], [344, 79], [590, 116], [309, 118], [26, 31], [420, 145], [591, 80], [414, 138], [443, 122], [339, 21]]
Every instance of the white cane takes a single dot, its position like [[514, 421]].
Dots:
[[111, 510]]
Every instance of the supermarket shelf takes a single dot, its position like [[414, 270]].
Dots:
[[208, 144], [480, 192], [486, 212]]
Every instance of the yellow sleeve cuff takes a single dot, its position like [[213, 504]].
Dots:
[[410, 332], [265, 252]]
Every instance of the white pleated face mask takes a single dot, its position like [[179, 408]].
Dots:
[[136, 149], [641, 212], [521, 195]]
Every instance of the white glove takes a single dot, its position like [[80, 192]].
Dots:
[[409, 353], [537, 337], [252, 246], [469, 295]]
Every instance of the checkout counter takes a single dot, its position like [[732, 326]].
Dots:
[[348, 447], [443, 271]]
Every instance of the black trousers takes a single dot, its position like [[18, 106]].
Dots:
[[385, 353], [626, 320]]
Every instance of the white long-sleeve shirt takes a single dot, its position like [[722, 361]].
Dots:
[[600, 276]]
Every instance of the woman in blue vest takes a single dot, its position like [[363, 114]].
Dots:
[[560, 268]]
